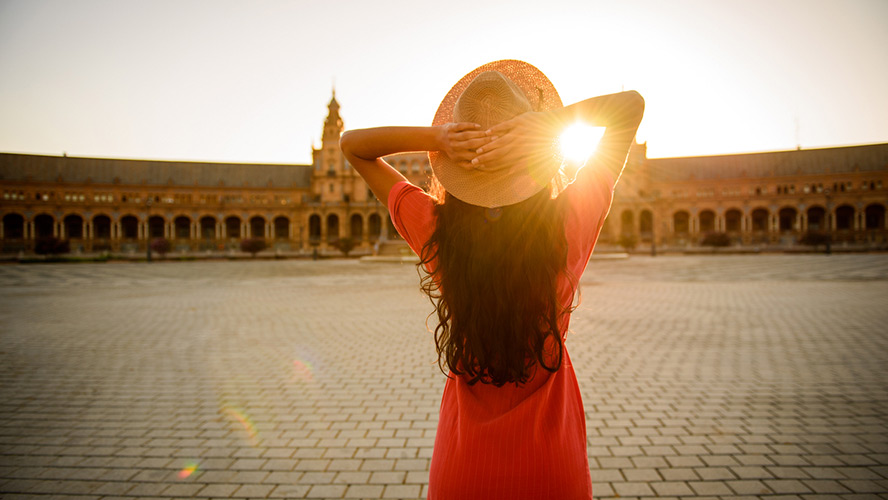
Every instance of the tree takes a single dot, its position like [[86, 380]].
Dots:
[[716, 240], [161, 246], [253, 245], [51, 246], [815, 239], [345, 245], [627, 241]]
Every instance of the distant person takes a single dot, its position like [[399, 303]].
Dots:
[[503, 237]]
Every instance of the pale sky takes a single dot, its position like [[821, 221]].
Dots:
[[249, 81]]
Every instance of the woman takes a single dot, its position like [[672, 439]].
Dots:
[[503, 238]]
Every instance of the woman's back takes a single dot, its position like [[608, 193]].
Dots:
[[518, 440]]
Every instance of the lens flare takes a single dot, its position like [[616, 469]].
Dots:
[[303, 370], [246, 423], [579, 141], [188, 470]]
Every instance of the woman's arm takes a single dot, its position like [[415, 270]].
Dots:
[[533, 132], [365, 148]]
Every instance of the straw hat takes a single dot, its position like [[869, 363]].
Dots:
[[491, 94]]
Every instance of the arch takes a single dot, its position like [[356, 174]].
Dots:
[[845, 218], [680, 221], [760, 219], [786, 218], [13, 227], [707, 221], [357, 227], [155, 226], [374, 226], [129, 227], [733, 217], [43, 226], [332, 228], [314, 228], [816, 218], [281, 227], [208, 227], [257, 226], [182, 228], [73, 226], [101, 227], [874, 215], [627, 222], [646, 223], [233, 226]]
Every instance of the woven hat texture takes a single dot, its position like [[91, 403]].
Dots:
[[488, 95]]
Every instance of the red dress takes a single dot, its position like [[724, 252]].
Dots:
[[515, 441]]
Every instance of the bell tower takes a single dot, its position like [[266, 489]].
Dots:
[[329, 167]]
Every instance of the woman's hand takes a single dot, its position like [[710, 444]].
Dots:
[[527, 136], [459, 141]]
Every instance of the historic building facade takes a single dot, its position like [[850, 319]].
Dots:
[[120, 205], [759, 200]]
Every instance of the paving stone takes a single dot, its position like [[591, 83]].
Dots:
[[701, 376]]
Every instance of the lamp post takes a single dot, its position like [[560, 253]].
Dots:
[[148, 227], [827, 193]]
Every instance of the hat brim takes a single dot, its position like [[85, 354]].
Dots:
[[503, 187]]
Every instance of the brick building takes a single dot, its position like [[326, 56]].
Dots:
[[760, 200]]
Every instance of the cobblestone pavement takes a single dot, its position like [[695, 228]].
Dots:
[[722, 376]]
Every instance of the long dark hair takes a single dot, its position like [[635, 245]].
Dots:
[[492, 275]]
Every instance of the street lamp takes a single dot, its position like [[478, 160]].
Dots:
[[148, 226], [827, 193]]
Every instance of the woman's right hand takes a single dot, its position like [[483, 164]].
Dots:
[[528, 135], [459, 141]]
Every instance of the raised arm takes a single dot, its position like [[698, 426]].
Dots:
[[365, 148], [529, 133]]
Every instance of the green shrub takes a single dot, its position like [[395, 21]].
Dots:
[[161, 246], [253, 245], [345, 245], [815, 238], [51, 246], [627, 241], [716, 240]]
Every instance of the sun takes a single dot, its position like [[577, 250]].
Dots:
[[579, 141]]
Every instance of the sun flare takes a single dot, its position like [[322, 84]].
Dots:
[[579, 141]]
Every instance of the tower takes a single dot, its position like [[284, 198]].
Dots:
[[330, 170]]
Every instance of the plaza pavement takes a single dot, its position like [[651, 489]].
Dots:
[[705, 377]]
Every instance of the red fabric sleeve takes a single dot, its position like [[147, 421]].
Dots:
[[412, 212]]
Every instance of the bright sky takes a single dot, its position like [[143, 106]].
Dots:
[[249, 81]]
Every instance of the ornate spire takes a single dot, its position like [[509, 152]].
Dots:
[[333, 124]]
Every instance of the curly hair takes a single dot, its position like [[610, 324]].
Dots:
[[492, 275]]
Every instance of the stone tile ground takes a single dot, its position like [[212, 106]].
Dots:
[[722, 376]]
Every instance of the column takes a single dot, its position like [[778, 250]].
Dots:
[[84, 227], [268, 230], [166, 230], [139, 230], [803, 222], [60, 230], [90, 231], [29, 230], [192, 230], [245, 229], [221, 230]]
